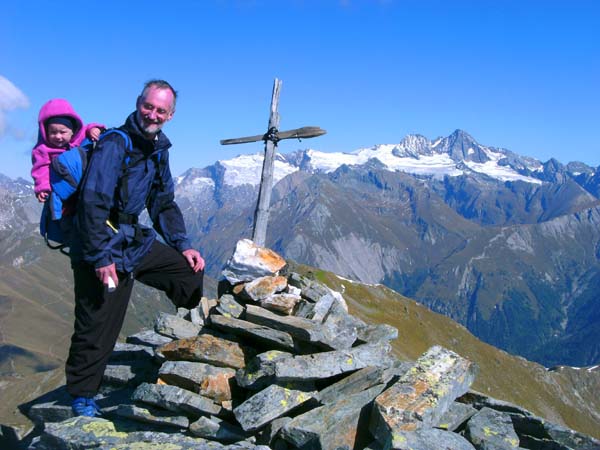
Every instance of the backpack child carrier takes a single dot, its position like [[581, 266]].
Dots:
[[66, 172]]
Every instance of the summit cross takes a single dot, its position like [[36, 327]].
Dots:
[[271, 139]]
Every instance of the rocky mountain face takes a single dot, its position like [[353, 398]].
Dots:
[[278, 361], [504, 244]]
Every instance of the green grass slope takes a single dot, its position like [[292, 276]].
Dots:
[[563, 396]]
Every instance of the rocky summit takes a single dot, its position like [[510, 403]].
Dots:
[[244, 372]]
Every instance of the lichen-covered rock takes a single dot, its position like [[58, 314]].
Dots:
[[270, 403], [152, 415], [422, 395], [260, 371], [229, 307], [491, 430]]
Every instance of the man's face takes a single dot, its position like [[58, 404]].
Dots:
[[155, 107]]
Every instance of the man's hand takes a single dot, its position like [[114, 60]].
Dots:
[[103, 273], [194, 259]]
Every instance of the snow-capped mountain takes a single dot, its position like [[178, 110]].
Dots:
[[453, 156]]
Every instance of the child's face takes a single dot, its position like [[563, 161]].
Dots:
[[59, 135]]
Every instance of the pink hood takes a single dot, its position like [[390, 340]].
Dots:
[[60, 107]]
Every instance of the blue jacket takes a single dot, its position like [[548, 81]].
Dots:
[[100, 237]]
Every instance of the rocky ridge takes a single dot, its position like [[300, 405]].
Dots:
[[278, 362]]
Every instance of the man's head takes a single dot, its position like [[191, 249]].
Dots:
[[155, 106]]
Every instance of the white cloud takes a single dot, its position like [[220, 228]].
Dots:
[[11, 98]]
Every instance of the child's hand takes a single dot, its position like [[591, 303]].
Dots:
[[94, 133], [42, 196]]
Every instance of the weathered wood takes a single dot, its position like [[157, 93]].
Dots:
[[261, 215], [298, 133]]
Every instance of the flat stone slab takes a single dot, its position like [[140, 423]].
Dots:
[[272, 402], [327, 364], [422, 395], [175, 327], [206, 348], [204, 379], [149, 338], [429, 439], [336, 425], [176, 399], [359, 381], [153, 416], [129, 373], [217, 429], [259, 333], [300, 328], [250, 261], [130, 352]]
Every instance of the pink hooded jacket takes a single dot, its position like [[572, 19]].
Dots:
[[42, 154]]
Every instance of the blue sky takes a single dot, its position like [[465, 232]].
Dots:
[[523, 75]]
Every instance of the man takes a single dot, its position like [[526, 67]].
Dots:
[[110, 248]]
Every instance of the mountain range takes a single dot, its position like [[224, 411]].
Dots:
[[504, 244]]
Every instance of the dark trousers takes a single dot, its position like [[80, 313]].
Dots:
[[99, 314]]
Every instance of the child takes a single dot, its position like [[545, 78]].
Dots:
[[60, 128]]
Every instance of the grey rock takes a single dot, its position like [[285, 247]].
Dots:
[[537, 433], [429, 439], [259, 333], [310, 289], [491, 430], [196, 316], [175, 327], [260, 371], [204, 379], [358, 381], [153, 416], [373, 334], [183, 313], [268, 435], [176, 399], [217, 429], [268, 404], [80, 433], [335, 425], [322, 307], [339, 327], [148, 338], [422, 395], [49, 412], [229, 307], [455, 416], [304, 309], [327, 364]]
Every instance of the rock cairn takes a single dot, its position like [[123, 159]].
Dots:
[[278, 362]]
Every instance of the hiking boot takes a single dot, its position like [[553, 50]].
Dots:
[[84, 406]]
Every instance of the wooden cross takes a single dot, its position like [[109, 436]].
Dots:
[[271, 138]]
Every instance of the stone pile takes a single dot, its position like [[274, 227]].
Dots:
[[278, 362]]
